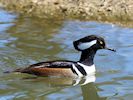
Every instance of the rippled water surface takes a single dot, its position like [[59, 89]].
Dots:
[[24, 41]]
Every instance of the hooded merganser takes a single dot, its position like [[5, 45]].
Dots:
[[85, 66]]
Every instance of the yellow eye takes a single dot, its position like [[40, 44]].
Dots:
[[101, 42]]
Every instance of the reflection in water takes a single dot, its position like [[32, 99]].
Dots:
[[40, 87], [63, 81], [88, 88], [89, 92]]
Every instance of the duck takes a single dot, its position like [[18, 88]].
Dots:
[[88, 46]]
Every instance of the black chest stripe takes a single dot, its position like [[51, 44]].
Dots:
[[81, 69], [74, 71]]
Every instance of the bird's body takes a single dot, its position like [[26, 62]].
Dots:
[[58, 68], [85, 66]]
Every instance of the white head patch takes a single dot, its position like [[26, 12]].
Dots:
[[86, 45]]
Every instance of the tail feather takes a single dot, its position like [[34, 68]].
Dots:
[[16, 70]]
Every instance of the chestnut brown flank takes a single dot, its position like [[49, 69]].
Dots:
[[52, 71]]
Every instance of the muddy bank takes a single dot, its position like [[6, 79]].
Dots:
[[103, 10]]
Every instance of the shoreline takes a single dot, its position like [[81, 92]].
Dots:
[[98, 10]]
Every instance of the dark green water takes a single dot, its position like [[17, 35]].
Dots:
[[25, 41]]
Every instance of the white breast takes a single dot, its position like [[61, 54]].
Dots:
[[89, 69]]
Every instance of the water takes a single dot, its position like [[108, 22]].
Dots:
[[24, 41]]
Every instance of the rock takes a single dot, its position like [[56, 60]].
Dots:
[[103, 10]]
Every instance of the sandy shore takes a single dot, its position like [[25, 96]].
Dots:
[[103, 10]]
